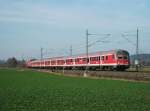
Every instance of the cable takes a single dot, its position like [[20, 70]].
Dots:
[[102, 41], [124, 36]]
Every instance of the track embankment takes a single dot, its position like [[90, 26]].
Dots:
[[125, 75]]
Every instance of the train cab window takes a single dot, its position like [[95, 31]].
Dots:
[[120, 57], [125, 57], [102, 57]]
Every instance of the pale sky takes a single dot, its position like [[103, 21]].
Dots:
[[55, 25]]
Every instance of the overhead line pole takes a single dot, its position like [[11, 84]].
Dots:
[[87, 40], [41, 53], [87, 50], [71, 50], [137, 50], [86, 69], [41, 56]]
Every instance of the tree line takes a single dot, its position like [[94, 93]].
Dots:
[[12, 62]]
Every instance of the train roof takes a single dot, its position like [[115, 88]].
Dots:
[[82, 55], [98, 53]]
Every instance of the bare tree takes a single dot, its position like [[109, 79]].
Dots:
[[12, 62]]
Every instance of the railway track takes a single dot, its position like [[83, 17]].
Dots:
[[129, 75]]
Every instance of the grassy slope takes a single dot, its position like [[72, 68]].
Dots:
[[35, 91]]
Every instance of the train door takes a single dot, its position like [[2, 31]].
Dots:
[[102, 60], [106, 59]]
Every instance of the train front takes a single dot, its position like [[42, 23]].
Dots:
[[123, 60]]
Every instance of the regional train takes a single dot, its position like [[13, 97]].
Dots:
[[103, 60]]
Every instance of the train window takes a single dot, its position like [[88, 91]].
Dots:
[[46, 62], [94, 58], [80, 59], [65, 61], [69, 60], [84, 59], [60, 61], [99, 58], [91, 58], [53, 62], [125, 57], [120, 57], [76, 60], [102, 57], [87, 59], [113, 56], [106, 57]]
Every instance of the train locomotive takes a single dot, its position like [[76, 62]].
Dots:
[[102, 60]]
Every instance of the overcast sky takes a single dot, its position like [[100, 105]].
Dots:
[[55, 25]]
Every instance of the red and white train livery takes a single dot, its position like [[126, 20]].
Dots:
[[105, 60]]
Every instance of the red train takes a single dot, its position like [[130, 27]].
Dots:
[[105, 60]]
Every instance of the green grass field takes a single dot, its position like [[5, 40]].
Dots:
[[34, 91]]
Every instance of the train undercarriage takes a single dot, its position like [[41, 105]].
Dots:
[[92, 68]]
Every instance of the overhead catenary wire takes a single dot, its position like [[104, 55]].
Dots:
[[102, 41], [79, 48], [124, 36]]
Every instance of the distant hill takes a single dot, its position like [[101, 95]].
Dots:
[[144, 59]]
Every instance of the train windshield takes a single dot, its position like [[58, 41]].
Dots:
[[125, 57], [122, 55]]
